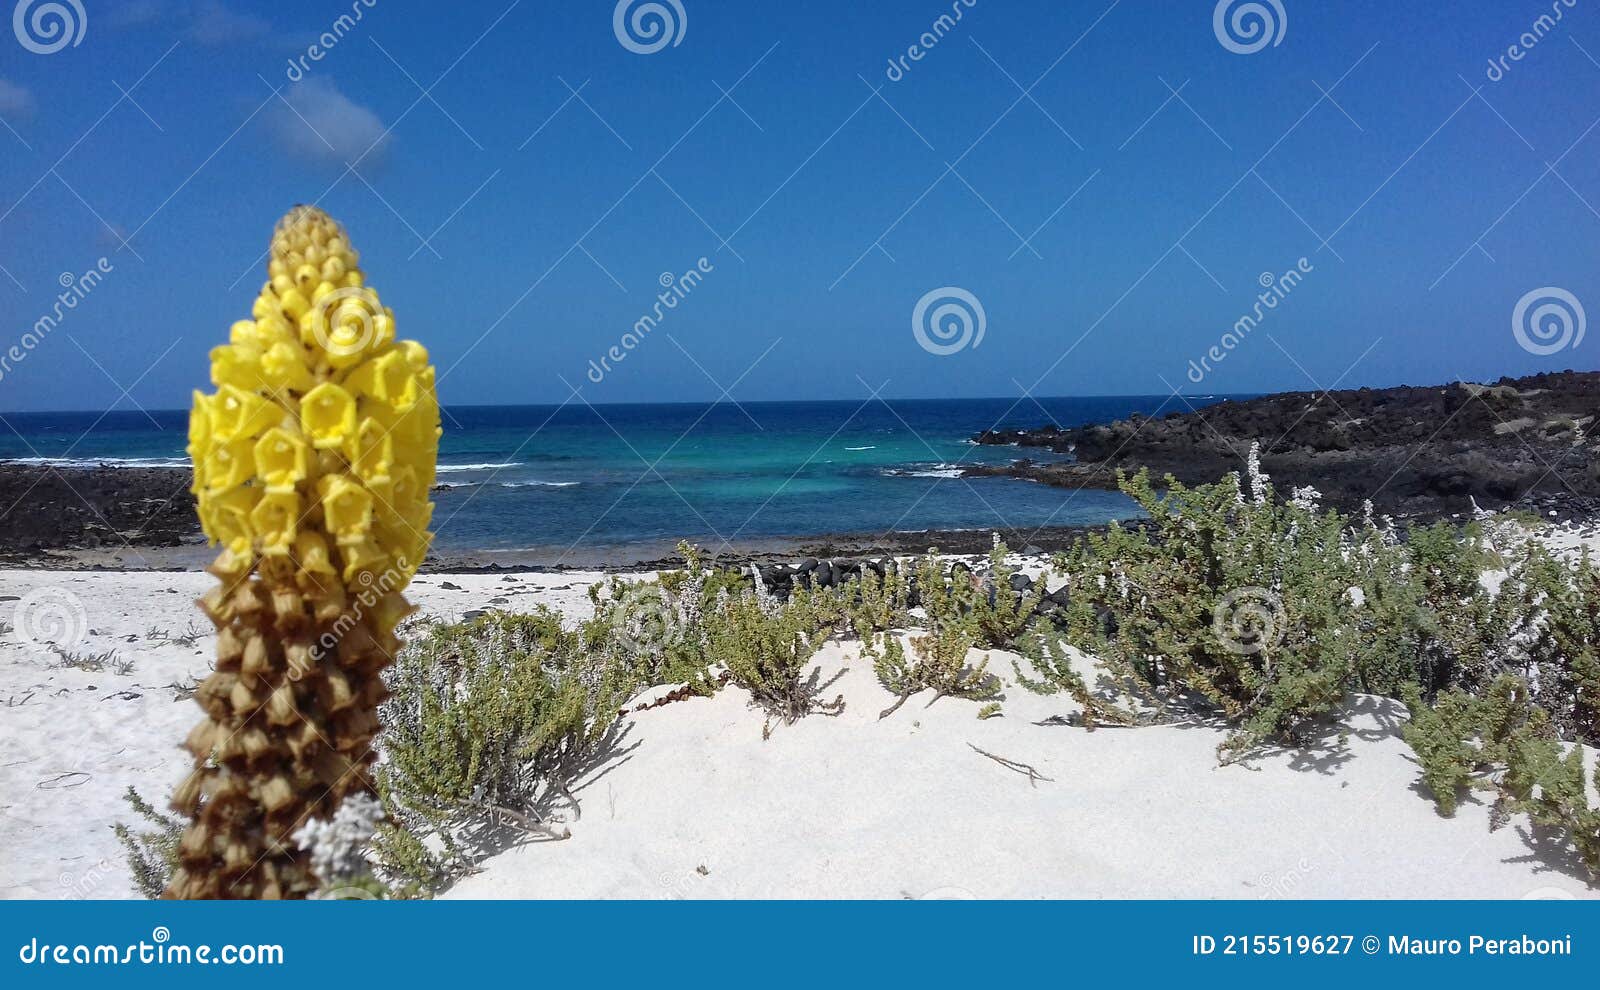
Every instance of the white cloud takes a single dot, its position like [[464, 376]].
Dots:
[[213, 24], [15, 101], [326, 126], [207, 22], [135, 13]]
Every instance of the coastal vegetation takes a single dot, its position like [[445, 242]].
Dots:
[[1230, 605]]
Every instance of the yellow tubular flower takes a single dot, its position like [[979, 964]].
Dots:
[[312, 465]]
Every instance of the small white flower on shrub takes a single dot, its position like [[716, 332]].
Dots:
[[338, 847]]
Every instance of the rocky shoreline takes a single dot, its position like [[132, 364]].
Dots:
[[1417, 453], [46, 508], [117, 518]]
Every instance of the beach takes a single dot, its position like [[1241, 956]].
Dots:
[[691, 802]]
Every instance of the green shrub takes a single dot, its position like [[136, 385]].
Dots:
[[767, 647], [1270, 612], [1225, 597], [152, 853], [489, 723], [1504, 743], [987, 605], [1045, 648], [1565, 660], [874, 604], [938, 663]]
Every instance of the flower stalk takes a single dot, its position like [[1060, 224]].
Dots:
[[313, 460]]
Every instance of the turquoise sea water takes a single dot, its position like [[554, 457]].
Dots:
[[517, 477]]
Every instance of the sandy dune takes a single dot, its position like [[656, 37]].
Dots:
[[694, 803]]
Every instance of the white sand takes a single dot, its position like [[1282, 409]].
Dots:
[[72, 741], [857, 807], [698, 805]]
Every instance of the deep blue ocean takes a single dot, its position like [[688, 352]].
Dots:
[[537, 477]]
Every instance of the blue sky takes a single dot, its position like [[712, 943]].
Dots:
[[1111, 231]]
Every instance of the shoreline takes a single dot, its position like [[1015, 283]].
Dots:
[[623, 558], [1419, 454]]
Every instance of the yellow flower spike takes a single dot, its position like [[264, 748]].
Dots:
[[274, 521], [236, 364], [233, 563], [237, 413], [229, 464], [416, 356], [313, 462], [346, 508], [199, 448], [271, 329], [282, 460], [328, 416], [283, 366], [384, 378], [293, 303], [243, 332], [311, 551], [226, 517], [374, 452], [306, 277], [403, 491], [200, 421], [364, 563]]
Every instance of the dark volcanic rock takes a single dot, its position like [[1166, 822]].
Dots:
[[1414, 452], [46, 507]]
